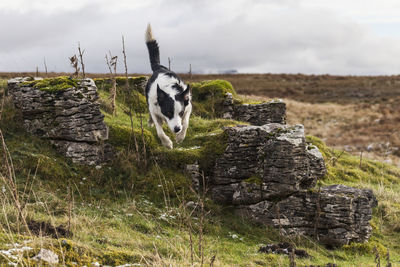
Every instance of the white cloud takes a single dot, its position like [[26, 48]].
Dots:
[[306, 36]]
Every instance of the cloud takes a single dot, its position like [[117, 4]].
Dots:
[[296, 36]]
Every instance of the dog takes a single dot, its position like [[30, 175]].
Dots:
[[169, 99]]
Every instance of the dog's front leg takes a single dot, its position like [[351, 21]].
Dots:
[[160, 132], [185, 124]]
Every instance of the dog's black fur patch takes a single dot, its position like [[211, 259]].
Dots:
[[183, 96], [166, 103]]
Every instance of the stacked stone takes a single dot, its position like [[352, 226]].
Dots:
[[265, 162], [273, 111], [70, 118]]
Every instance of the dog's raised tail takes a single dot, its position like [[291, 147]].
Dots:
[[152, 46]]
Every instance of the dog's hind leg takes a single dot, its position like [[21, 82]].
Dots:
[[160, 132]]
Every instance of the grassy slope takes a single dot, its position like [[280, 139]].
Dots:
[[123, 212]]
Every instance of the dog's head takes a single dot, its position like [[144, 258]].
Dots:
[[173, 105]]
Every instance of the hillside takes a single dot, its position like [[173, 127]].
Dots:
[[352, 113], [138, 208]]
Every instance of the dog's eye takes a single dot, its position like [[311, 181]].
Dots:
[[181, 113]]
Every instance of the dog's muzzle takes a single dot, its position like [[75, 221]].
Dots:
[[177, 129]]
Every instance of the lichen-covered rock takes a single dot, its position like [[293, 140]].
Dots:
[[68, 114], [264, 162], [335, 215]]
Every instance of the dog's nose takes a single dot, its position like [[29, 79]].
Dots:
[[177, 129]]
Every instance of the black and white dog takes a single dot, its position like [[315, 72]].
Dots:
[[168, 98]]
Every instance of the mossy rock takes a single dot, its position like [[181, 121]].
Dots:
[[53, 85], [208, 97]]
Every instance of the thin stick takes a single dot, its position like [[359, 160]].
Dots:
[[45, 65], [81, 59], [112, 65]]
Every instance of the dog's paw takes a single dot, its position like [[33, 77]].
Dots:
[[179, 137], [167, 143]]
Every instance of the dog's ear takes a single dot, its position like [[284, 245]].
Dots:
[[184, 96], [161, 95]]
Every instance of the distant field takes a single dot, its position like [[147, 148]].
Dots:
[[355, 113]]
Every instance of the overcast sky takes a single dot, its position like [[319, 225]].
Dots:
[[276, 36]]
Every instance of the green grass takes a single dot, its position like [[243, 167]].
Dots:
[[125, 213], [53, 85]]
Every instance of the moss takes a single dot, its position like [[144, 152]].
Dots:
[[53, 85], [119, 257], [208, 97], [204, 143], [74, 253], [122, 136], [212, 149], [366, 248], [254, 179]]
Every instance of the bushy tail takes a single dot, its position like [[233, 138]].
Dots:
[[154, 51]]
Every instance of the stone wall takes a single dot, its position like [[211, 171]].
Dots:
[[70, 118]]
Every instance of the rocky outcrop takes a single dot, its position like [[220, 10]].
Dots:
[[69, 117], [273, 111], [335, 215], [268, 174], [265, 162]]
